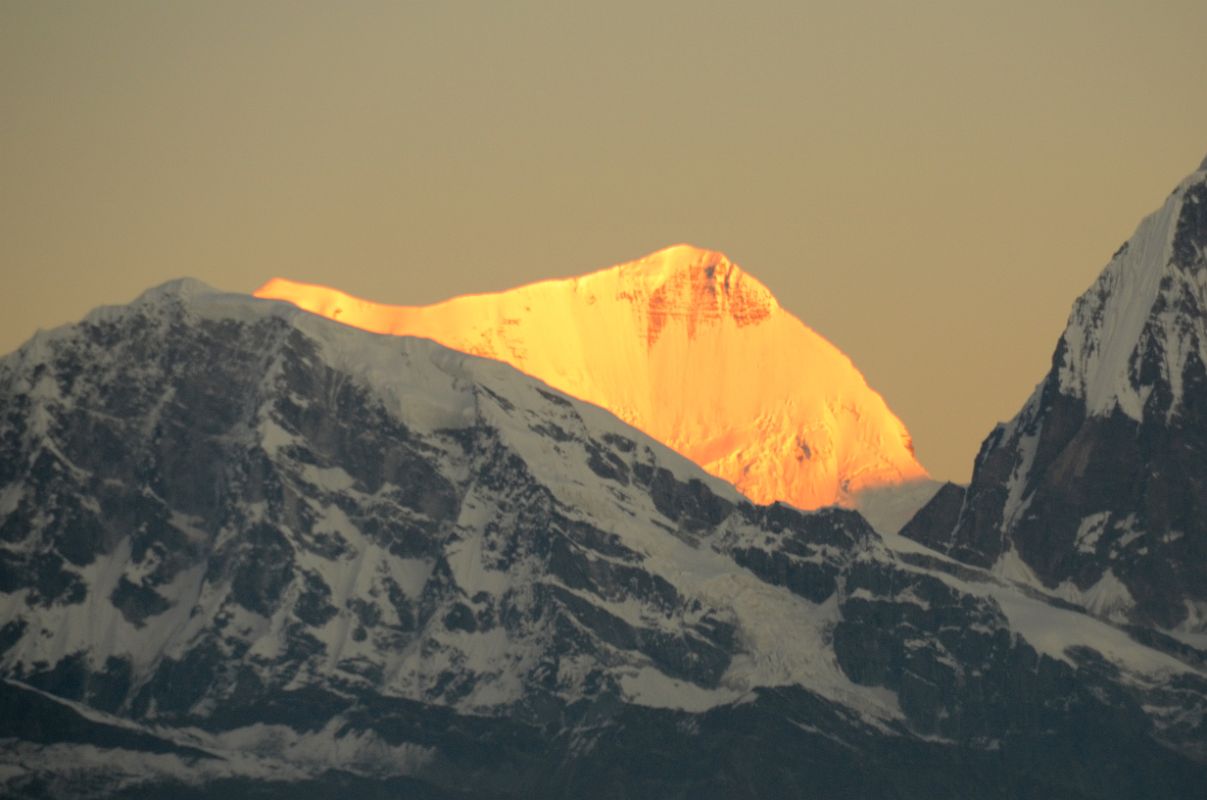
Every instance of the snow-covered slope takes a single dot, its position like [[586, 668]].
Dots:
[[1140, 328], [1097, 490], [685, 346], [251, 551]]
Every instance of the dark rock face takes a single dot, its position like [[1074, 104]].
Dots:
[[246, 551], [1104, 476], [933, 523], [798, 559]]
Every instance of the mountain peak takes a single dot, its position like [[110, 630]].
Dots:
[[701, 287], [685, 346], [680, 258], [1138, 326], [685, 256]]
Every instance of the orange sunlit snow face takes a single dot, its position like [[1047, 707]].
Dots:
[[686, 347]]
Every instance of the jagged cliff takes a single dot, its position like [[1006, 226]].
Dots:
[[1097, 489]]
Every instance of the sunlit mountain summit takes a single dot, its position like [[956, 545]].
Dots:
[[687, 347]]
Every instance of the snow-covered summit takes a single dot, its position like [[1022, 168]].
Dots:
[[692, 282], [183, 287], [1141, 325], [689, 348]]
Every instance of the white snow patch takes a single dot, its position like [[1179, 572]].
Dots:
[[1054, 630], [469, 570], [1090, 531], [10, 497], [1109, 598], [1130, 534], [273, 437], [355, 750], [330, 479], [1016, 503], [1193, 629], [1011, 567], [647, 686]]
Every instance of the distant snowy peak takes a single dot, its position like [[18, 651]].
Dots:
[[1134, 335], [687, 347]]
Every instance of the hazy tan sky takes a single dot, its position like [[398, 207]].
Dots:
[[928, 184]]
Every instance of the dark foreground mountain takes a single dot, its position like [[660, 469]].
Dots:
[[1097, 490], [245, 551]]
